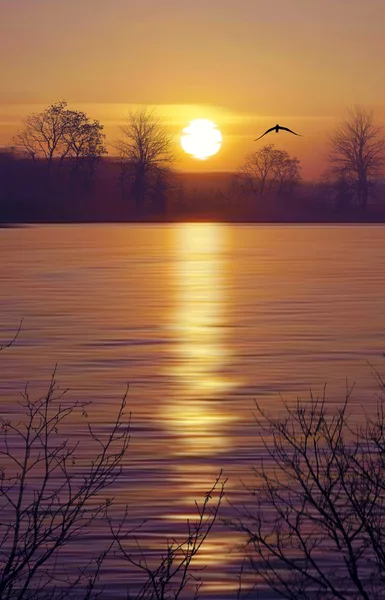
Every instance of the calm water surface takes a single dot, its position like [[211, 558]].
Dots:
[[201, 320]]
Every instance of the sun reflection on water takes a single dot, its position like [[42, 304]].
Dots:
[[202, 354]]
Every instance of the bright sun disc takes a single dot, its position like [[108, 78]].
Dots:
[[201, 138]]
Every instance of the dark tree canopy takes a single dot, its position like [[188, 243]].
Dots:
[[60, 133]]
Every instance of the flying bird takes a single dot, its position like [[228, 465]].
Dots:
[[276, 129]]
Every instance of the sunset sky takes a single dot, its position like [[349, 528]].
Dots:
[[246, 64]]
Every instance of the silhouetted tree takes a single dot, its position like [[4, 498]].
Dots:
[[286, 173], [26, 144], [145, 152], [86, 142], [257, 170], [316, 527], [43, 135], [59, 133], [269, 170], [358, 152]]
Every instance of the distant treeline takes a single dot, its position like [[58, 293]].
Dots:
[[56, 169]]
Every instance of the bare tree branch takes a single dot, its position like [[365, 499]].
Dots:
[[174, 572], [13, 339], [357, 154], [269, 169], [145, 150], [317, 524], [51, 501], [60, 133]]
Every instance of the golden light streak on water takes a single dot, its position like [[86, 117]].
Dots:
[[198, 321]]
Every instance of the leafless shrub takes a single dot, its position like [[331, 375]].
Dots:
[[45, 500], [316, 526], [49, 499]]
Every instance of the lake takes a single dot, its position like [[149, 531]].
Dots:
[[201, 320]]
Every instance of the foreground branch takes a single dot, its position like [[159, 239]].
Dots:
[[46, 499], [175, 570], [316, 527]]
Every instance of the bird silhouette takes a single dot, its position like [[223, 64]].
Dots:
[[277, 128]]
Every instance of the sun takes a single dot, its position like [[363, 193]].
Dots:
[[201, 138]]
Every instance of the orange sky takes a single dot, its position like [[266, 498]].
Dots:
[[246, 64]]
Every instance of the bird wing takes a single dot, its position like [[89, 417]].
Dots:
[[287, 129], [261, 136]]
